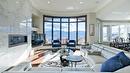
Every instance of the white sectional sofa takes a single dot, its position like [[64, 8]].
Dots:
[[57, 72], [106, 53], [94, 61]]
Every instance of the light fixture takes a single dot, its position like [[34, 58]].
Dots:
[[81, 2], [70, 8], [128, 18], [48, 2], [17, 2]]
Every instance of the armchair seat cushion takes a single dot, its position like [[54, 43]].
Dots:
[[71, 43], [98, 59], [56, 43]]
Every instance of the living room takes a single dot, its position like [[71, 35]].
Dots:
[[75, 35]]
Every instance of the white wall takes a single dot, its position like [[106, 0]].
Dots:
[[38, 22], [91, 19], [15, 18], [37, 19], [100, 30]]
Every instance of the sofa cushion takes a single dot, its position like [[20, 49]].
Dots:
[[111, 64], [98, 59], [124, 59], [94, 53]]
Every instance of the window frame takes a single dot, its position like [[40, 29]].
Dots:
[[109, 30], [61, 17]]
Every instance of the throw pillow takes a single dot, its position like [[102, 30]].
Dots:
[[124, 59], [111, 64]]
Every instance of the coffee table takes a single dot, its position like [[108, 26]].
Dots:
[[74, 58]]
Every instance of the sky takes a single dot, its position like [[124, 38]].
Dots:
[[65, 26]]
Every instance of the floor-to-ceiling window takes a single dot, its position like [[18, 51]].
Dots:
[[65, 28], [48, 30], [56, 28], [112, 30], [123, 31], [72, 31], [64, 33], [105, 33], [81, 30]]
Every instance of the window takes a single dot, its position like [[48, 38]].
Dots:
[[105, 34], [81, 34], [123, 31], [81, 19], [48, 19], [56, 31], [72, 31], [119, 31], [73, 19], [65, 20], [56, 19], [48, 32], [64, 33], [113, 30], [65, 28]]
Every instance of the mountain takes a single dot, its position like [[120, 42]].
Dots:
[[64, 34]]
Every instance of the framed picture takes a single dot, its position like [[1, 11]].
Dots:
[[91, 30]]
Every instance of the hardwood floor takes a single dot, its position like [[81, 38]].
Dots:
[[37, 58]]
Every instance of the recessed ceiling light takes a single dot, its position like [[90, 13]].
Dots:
[[17, 2], [48, 2], [81, 2], [70, 8], [128, 18]]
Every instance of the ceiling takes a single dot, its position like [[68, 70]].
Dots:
[[105, 9], [68, 6], [115, 10]]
